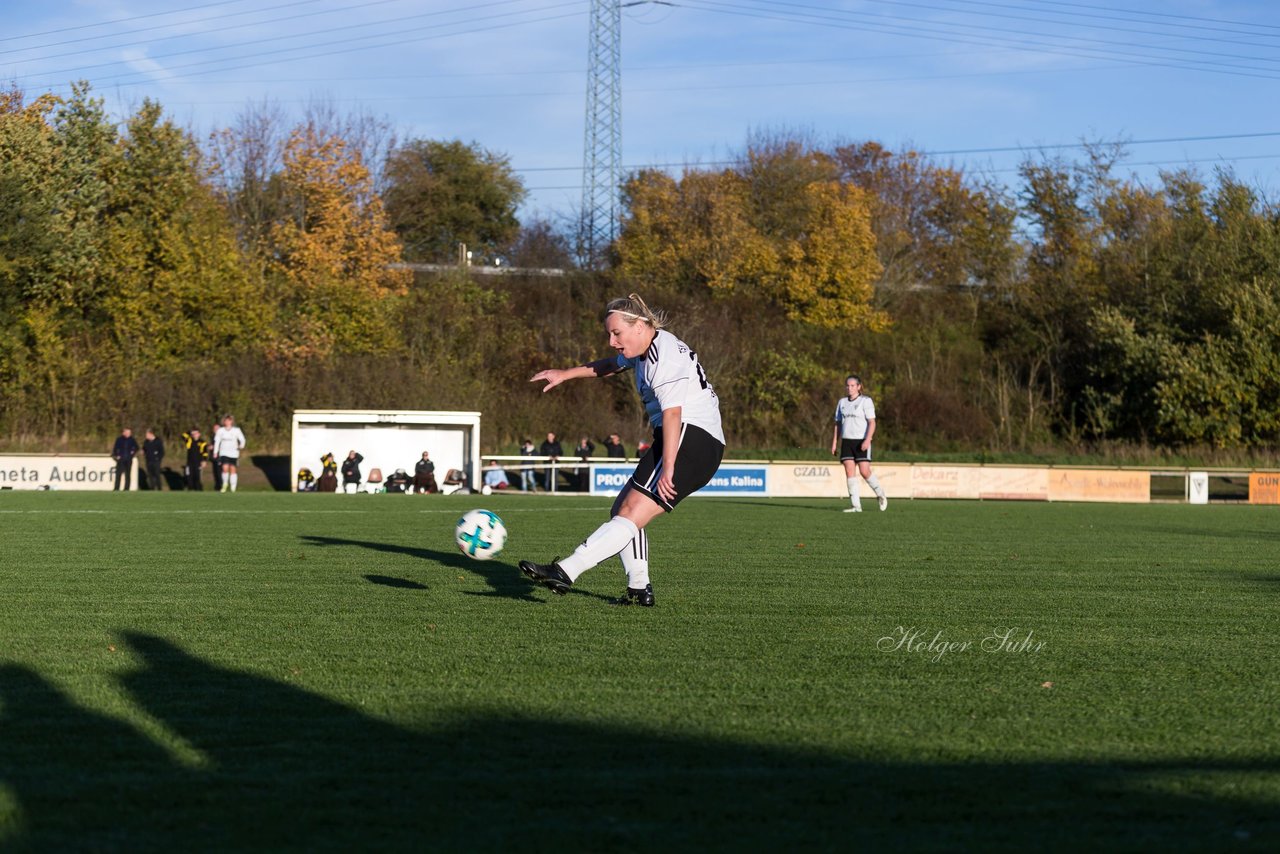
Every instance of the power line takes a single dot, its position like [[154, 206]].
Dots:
[[991, 41], [950, 151], [465, 96], [467, 10], [1156, 14], [204, 32], [578, 71], [326, 54], [1013, 169], [1196, 28], [848, 16], [127, 20]]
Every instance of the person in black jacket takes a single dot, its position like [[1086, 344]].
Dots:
[[123, 452], [550, 448], [583, 451], [197, 454], [424, 475], [613, 446], [399, 481], [351, 472], [153, 453]]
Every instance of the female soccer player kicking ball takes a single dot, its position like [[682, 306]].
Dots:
[[687, 447]]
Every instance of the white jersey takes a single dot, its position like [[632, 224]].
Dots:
[[853, 415], [228, 442], [668, 374]]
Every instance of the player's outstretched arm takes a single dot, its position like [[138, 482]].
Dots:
[[554, 376]]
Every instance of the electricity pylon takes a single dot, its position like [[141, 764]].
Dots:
[[602, 148]]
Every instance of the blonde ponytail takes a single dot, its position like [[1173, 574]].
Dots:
[[635, 309]]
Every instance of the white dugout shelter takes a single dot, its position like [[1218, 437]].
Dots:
[[388, 440]]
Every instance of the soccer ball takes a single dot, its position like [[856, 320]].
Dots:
[[480, 534]]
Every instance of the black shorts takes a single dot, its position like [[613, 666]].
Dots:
[[851, 449], [696, 463], [228, 461]]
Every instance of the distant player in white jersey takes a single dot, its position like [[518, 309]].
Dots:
[[855, 425], [687, 447], [228, 442]]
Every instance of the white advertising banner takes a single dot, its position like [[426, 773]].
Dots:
[[61, 471], [828, 480], [1198, 487]]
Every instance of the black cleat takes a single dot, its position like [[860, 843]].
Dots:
[[549, 575], [632, 596]]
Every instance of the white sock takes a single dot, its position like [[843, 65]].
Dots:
[[235, 478], [874, 483], [853, 491], [635, 560], [609, 539]]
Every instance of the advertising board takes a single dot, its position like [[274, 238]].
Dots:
[[61, 471]]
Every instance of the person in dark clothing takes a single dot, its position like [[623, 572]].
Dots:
[[328, 481], [351, 472], [217, 467], [424, 475], [528, 477], [550, 448], [613, 446], [153, 453], [123, 452], [583, 451], [399, 481], [197, 455]]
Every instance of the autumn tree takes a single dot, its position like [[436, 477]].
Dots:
[[440, 194], [178, 286], [779, 229], [933, 226], [26, 210], [245, 161], [334, 253]]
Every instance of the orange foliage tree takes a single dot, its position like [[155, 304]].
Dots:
[[334, 254], [721, 231]]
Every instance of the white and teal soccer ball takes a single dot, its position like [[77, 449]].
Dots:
[[480, 534]]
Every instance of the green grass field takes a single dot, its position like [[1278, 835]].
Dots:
[[265, 671]]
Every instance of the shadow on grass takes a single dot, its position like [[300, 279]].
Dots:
[[388, 581], [503, 580], [1202, 533], [278, 767]]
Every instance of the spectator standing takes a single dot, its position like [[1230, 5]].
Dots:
[[528, 479], [351, 472], [424, 475], [228, 442], [123, 452], [153, 453], [197, 453], [613, 446], [213, 458], [550, 448], [584, 451]]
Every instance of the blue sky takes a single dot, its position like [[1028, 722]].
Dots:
[[981, 83]]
